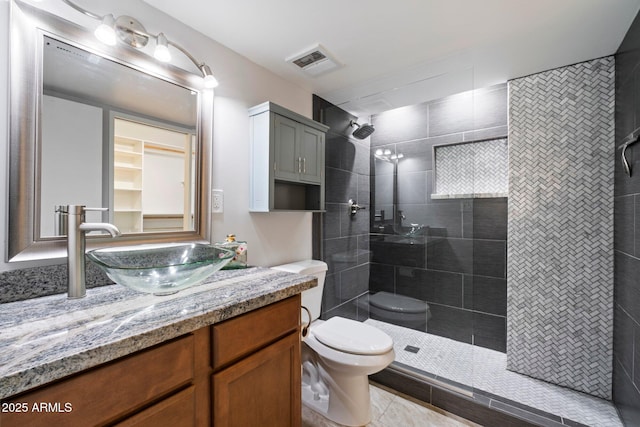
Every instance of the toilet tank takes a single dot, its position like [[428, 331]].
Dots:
[[311, 298]]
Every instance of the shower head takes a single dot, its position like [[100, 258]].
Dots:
[[363, 131]]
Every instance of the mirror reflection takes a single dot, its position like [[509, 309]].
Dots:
[[114, 137]]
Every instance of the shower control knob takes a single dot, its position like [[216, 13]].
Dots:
[[354, 207]]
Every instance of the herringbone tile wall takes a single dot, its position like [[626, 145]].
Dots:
[[560, 226]]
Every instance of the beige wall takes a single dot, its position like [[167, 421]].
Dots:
[[273, 238]]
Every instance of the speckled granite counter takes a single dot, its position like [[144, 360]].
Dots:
[[47, 338]]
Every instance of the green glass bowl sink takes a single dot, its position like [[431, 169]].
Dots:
[[160, 269]]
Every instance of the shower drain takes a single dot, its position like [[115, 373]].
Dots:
[[412, 349]]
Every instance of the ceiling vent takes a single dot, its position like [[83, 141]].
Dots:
[[315, 61]]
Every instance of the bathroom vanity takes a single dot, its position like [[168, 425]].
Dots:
[[225, 353]]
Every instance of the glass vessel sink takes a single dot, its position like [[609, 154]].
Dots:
[[160, 269]]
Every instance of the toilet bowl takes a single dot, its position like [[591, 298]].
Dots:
[[337, 356], [399, 310]]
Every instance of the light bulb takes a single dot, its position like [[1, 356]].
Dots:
[[105, 32], [210, 82], [162, 49]]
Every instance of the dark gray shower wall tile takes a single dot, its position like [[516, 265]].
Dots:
[[490, 107], [432, 286], [381, 278], [400, 124], [341, 253], [353, 225], [490, 331], [623, 344], [629, 50], [636, 224], [636, 94], [362, 303], [412, 188], [453, 114], [417, 155], [364, 192], [489, 218], [445, 215], [330, 293], [356, 159], [626, 397], [364, 253], [333, 116], [624, 184], [405, 252], [354, 282], [627, 290], [447, 254], [348, 310], [340, 185], [485, 294], [336, 147], [331, 220], [450, 322], [490, 258], [625, 104], [408, 254], [624, 235], [636, 354]]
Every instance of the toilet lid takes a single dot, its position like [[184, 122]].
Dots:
[[397, 303], [352, 337]]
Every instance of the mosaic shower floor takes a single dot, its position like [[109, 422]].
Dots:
[[485, 370]]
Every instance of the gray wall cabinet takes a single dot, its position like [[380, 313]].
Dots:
[[287, 160]]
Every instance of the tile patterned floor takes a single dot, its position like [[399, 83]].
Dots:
[[390, 409], [485, 370]]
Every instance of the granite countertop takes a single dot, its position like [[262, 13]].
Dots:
[[45, 339]]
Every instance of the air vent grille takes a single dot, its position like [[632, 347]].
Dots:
[[309, 59], [315, 61]]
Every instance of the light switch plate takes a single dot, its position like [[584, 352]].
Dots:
[[217, 201]]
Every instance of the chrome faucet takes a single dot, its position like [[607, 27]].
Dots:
[[76, 244]]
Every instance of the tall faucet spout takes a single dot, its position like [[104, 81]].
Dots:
[[101, 226], [76, 244]]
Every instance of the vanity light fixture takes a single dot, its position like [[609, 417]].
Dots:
[[131, 31], [162, 49], [105, 32]]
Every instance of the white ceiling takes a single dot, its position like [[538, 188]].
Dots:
[[401, 52]]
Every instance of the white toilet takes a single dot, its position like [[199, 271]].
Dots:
[[337, 356]]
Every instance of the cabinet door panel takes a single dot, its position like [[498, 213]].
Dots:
[[175, 411], [262, 390], [242, 335], [111, 391], [286, 152], [312, 152]]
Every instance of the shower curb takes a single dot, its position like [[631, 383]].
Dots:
[[477, 406]]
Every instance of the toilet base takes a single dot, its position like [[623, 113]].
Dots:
[[345, 401]]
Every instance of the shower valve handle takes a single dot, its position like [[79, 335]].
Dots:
[[354, 207]]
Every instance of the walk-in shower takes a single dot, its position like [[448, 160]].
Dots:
[[427, 261]]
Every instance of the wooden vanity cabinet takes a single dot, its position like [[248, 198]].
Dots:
[[244, 371], [256, 360], [109, 392]]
